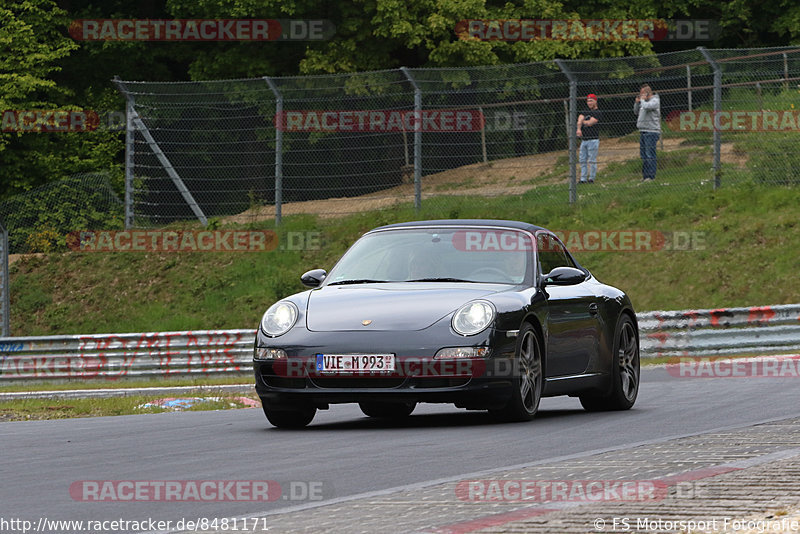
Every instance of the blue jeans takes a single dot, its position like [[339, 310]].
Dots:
[[647, 150], [588, 158]]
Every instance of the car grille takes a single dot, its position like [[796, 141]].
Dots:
[[455, 382], [359, 382], [283, 382], [363, 382]]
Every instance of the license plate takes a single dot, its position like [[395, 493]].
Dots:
[[354, 363]]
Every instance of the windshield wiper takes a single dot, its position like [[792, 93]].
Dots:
[[440, 280], [358, 281]]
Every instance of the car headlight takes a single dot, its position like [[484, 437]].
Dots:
[[279, 318], [473, 317]]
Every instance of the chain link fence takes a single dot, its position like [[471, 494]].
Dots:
[[256, 149], [40, 220]]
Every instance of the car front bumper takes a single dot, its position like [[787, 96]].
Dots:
[[479, 383]]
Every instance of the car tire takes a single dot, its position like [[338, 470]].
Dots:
[[388, 410], [625, 371], [528, 380], [289, 418]]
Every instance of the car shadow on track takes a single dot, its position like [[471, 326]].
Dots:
[[437, 420]]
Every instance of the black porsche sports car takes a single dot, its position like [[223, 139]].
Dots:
[[485, 314]]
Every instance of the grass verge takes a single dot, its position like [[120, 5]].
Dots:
[[38, 409], [122, 383], [739, 246]]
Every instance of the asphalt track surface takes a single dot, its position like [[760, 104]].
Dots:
[[344, 452]]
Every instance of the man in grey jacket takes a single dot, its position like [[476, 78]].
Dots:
[[648, 110]]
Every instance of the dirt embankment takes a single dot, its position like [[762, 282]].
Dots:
[[512, 176]]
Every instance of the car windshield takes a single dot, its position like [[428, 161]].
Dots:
[[436, 254]]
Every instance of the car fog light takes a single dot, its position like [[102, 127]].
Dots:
[[454, 353], [270, 354]]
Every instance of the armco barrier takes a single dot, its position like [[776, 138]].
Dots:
[[726, 331], [111, 356], [721, 332]]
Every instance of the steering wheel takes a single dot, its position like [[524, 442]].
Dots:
[[493, 272]]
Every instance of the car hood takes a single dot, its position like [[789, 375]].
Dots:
[[389, 307]]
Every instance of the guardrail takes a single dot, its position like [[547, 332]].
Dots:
[[721, 332], [725, 331], [113, 356], [4, 282]]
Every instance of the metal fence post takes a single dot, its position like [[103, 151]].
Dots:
[[760, 97], [129, 153], [785, 72], [717, 108], [573, 119], [417, 138], [278, 149], [139, 124], [689, 85], [5, 283], [483, 135]]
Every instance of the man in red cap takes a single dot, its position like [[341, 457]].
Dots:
[[589, 132]]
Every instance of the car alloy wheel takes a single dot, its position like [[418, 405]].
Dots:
[[625, 371], [628, 361], [528, 381]]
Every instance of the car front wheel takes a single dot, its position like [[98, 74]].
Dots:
[[625, 371], [528, 379]]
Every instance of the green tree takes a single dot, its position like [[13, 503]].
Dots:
[[31, 48], [381, 34]]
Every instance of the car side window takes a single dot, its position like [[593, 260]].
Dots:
[[551, 253]]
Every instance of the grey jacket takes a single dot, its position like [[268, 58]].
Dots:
[[649, 114]]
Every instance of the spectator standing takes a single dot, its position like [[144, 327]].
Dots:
[[648, 112], [589, 132]]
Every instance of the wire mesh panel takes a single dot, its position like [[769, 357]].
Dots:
[[345, 143], [214, 140], [678, 81], [512, 147], [758, 116], [41, 219], [345, 140]]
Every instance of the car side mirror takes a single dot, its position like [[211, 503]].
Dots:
[[314, 277], [564, 276]]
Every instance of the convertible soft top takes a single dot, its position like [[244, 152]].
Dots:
[[467, 222]]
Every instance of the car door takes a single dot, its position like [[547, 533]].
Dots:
[[572, 319]]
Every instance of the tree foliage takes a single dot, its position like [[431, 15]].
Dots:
[[31, 47]]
